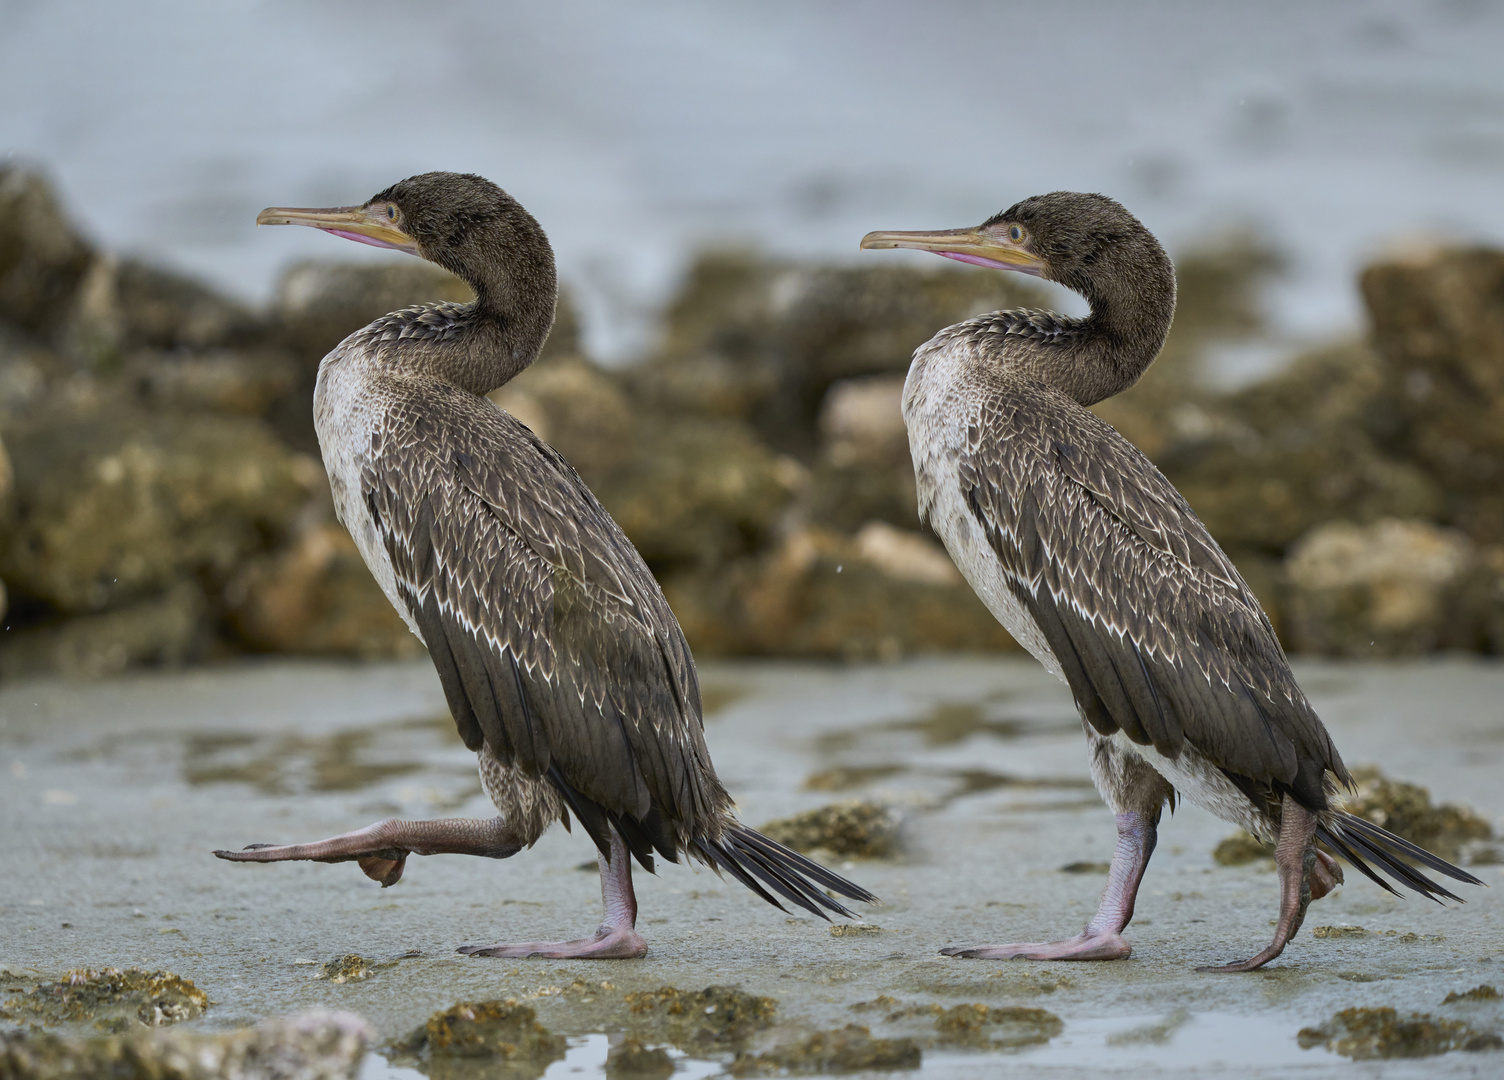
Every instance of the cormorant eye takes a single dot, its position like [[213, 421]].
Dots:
[[391, 212], [1016, 233]]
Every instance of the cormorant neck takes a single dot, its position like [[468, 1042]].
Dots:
[[491, 340], [1106, 352]]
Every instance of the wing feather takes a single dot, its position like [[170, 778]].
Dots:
[[1156, 632], [553, 643]]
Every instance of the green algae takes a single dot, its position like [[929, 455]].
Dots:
[[1365, 1034], [849, 1049], [114, 999], [851, 830]]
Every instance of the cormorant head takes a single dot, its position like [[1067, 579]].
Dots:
[[462, 222], [1076, 239]]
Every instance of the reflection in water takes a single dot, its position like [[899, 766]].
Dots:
[[288, 763]]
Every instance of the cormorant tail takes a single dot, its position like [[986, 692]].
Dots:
[[1360, 842], [771, 871]]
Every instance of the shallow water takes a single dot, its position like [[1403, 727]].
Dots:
[[116, 792]]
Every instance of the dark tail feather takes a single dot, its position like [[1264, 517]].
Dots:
[[1357, 840], [767, 868]]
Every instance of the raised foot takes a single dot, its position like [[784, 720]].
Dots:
[[1080, 947], [383, 864], [625, 944]]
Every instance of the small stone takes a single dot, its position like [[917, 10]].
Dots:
[[1477, 993], [631, 1058], [1340, 932], [1241, 849], [492, 1029], [348, 968]]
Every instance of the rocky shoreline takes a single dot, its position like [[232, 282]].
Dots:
[[162, 501]]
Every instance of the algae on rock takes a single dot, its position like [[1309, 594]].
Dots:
[[845, 830], [111, 997], [1365, 1034]]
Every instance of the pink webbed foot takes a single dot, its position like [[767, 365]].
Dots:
[[1080, 947], [622, 943]]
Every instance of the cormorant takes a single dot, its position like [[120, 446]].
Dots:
[[562, 664], [1101, 569]]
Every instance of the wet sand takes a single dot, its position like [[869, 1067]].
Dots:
[[114, 794]]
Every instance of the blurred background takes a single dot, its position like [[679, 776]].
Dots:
[[726, 365]]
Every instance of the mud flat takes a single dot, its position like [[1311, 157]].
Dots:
[[113, 794]]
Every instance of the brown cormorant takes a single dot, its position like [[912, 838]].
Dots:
[[1098, 566], [562, 664]]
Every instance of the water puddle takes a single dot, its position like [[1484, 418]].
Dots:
[[1204, 1043]]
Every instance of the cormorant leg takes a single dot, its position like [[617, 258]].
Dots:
[[1102, 939], [617, 938], [382, 849], [1295, 857]]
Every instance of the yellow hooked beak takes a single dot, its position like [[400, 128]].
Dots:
[[375, 224], [977, 246]]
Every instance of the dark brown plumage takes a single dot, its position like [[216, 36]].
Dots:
[[1098, 566], [562, 664]]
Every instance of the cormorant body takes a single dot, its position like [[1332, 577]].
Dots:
[[562, 664], [1101, 570]]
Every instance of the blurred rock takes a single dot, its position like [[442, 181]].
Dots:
[[42, 258], [112, 998], [316, 1045], [1438, 322], [123, 304], [582, 411], [245, 382], [1407, 811], [321, 302], [1265, 465], [316, 597], [764, 340], [820, 594], [114, 506], [168, 630], [862, 471], [849, 1049], [1392, 588], [1365, 1034], [844, 830]]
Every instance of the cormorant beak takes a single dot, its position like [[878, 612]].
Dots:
[[364, 224], [977, 246]]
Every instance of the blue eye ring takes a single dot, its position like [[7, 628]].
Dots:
[[1015, 234]]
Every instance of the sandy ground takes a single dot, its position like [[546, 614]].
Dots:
[[112, 795]]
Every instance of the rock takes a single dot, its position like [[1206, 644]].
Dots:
[[169, 630], [114, 506], [114, 999], [985, 1025], [844, 830], [716, 1018], [1391, 588], [246, 382], [316, 597], [1482, 992], [1240, 849], [764, 340], [42, 257], [905, 556], [1407, 811], [499, 1030], [819, 594], [1438, 322], [316, 1045], [122, 304], [351, 967], [848, 1049], [861, 421], [696, 490], [583, 411], [1366, 1034], [630, 1058], [1264, 466]]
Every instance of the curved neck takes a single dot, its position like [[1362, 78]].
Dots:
[[1105, 353], [490, 341]]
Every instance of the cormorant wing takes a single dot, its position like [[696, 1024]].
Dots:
[[552, 640], [1155, 630]]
